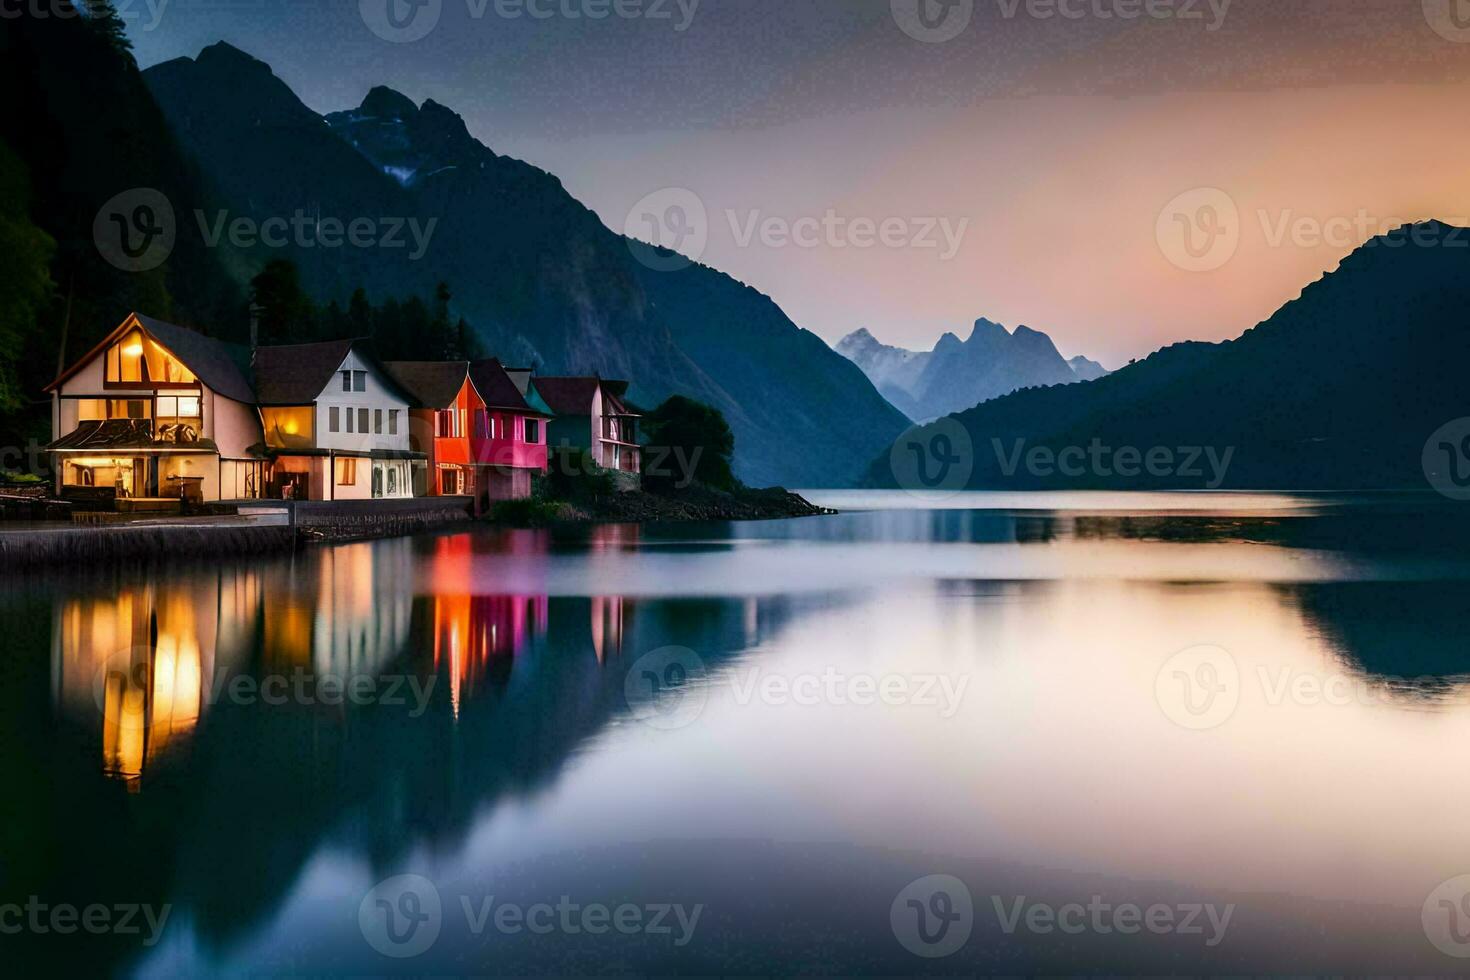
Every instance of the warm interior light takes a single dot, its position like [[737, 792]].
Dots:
[[134, 347], [291, 427]]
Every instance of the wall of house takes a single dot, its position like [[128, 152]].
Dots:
[[510, 449], [378, 398], [234, 426]]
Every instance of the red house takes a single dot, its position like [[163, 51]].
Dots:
[[509, 438], [483, 438]]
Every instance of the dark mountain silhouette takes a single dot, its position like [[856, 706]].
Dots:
[[1339, 389], [535, 272], [957, 374]]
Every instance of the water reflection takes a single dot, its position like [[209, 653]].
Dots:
[[507, 733]]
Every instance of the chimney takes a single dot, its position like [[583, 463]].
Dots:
[[255, 311]]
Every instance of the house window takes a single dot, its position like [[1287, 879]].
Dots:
[[346, 380], [393, 421], [449, 481], [179, 419], [362, 421], [289, 428], [377, 421], [449, 424], [178, 407], [100, 409], [533, 431], [346, 472], [359, 381], [136, 359], [334, 419]]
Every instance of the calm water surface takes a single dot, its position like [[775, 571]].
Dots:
[[1242, 702]]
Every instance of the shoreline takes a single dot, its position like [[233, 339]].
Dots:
[[267, 528]]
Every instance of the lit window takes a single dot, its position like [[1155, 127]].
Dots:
[[346, 472]]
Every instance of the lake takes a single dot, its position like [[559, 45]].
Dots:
[[987, 733]]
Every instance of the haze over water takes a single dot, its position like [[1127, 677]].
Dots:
[[1242, 701]]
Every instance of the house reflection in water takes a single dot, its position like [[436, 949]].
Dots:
[[343, 612], [476, 637], [135, 669]]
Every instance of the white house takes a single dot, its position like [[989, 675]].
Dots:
[[335, 423], [157, 411]]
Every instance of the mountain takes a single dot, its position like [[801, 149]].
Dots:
[[536, 273], [1087, 370], [958, 374], [1341, 388]]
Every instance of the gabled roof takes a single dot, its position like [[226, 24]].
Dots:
[[298, 374], [573, 396], [219, 366], [499, 390], [434, 384]]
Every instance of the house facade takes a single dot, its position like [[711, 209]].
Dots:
[[156, 411], [336, 423], [483, 438], [590, 414]]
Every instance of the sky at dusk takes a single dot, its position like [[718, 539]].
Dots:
[[1119, 173]]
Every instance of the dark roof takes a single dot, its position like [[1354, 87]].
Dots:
[[297, 374], [220, 366], [567, 396], [434, 384], [122, 434], [521, 376], [499, 390]]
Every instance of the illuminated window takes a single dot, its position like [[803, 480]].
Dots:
[[346, 472], [137, 359], [289, 428]]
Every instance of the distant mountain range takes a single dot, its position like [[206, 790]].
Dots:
[[1340, 389], [957, 374], [536, 273]]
